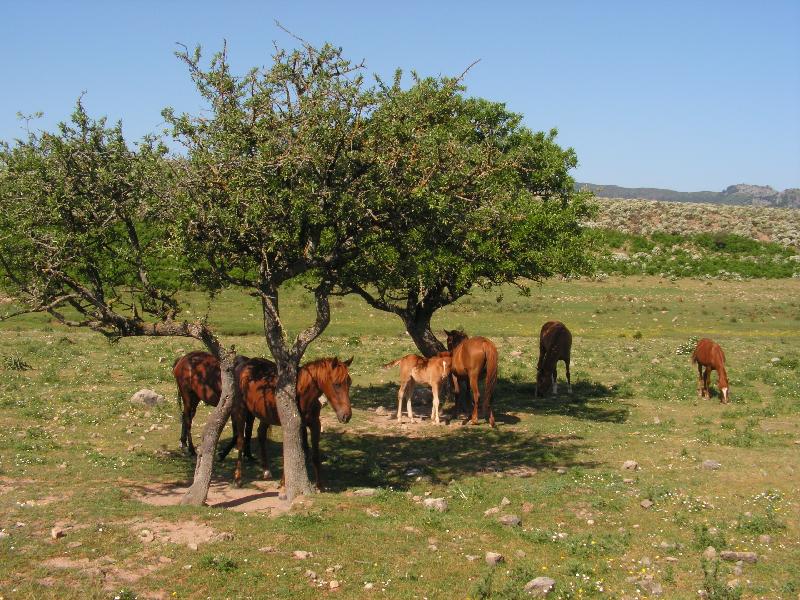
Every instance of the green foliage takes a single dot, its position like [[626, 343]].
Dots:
[[688, 346], [714, 586]]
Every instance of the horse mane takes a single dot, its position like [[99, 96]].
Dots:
[[552, 351], [315, 366]]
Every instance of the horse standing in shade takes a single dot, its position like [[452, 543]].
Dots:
[[415, 369], [708, 356], [198, 378], [471, 357], [555, 344], [257, 378]]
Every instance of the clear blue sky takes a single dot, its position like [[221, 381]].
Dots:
[[685, 95]]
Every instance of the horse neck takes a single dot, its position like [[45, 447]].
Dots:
[[722, 374], [307, 388]]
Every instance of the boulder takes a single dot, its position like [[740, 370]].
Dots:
[[541, 586], [147, 398]]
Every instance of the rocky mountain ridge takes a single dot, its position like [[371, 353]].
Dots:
[[741, 194]]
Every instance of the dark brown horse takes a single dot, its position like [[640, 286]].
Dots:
[[708, 356], [555, 344], [472, 356], [198, 378], [257, 379]]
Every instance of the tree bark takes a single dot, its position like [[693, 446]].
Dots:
[[198, 492], [295, 472], [418, 325]]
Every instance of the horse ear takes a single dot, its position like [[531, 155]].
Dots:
[[349, 361], [446, 332], [335, 362]]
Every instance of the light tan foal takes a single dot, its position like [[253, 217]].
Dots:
[[427, 371]]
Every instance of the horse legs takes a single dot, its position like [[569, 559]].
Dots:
[[700, 380], [486, 408], [707, 382], [555, 381], [263, 428], [225, 450], [315, 460], [409, 395], [435, 386], [569, 381], [189, 410], [476, 396], [401, 393]]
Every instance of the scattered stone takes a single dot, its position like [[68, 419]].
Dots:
[[630, 465], [19, 524], [147, 398], [365, 492], [732, 583], [433, 547], [749, 557], [656, 420], [301, 554], [57, 532], [74, 544], [667, 546], [655, 361], [381, 410], [267, 549], [646, 503], [520, 553], [765, 539], [505, 501], [541, 586], [775, 359], [650, 587], [4, 534], [710, 553], [527, 507], [416, 498], [561, 470], [590, 521], [413, 472], [146, 536], [738, 570], [711, 465], [671, 559], [225, 536], [491, 511], [192, 546], [510, 520], [494, 558], [627, 480], [439, 504], [311, 574], [369, 586], [165, 560], [333, 584], [472, 557], [187, 567]]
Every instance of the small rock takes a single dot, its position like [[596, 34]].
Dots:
[[192, 546], [187, 567], [333, 584], [4, 534], [57, 532], [749, 557], [19, 524], [667, 546], [710, 553], [650, 587], [541, 586], [164, 560], [505, 501], [416, 498], [491, 511], [527, 507], [775, 359], [433, 547], [732, 583], [765, 539], [671, 559], [365, 492], [627, 480], [510, 520], [737, 570], [590, 521], [225, 536], [711, 465], [311, 574], [381, 411], [74, 544], [267, 549], [147, 397], [413, 472], [630, 465], [655, 361], [646, 503], [561, 470], [301, 554], [656, 420], [146, 536], [520, 553], [369, 586], [494, 558], [472, 557], [439, 504]]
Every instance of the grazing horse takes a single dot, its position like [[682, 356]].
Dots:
[[198, 378], [555, 344], [708, 356], [257, 378], [415, 369], [471, 357]]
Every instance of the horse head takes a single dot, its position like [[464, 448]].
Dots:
[[335, 384], [454, 338], [544, 382]]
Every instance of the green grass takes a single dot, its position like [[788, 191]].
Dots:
[[71, 450]]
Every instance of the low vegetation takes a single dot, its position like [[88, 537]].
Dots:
[[76, 452]]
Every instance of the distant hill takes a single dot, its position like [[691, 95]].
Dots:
[[741, 194]]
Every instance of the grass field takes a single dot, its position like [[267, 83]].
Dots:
[[74, 449]]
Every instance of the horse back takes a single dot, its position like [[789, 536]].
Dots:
[[555, 337], [257, 378], [474, 353], [708, 353]]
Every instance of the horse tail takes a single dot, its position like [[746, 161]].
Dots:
[[490, 353], [694, 357], [393, 363]]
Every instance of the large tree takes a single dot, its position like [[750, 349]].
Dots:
[[468, 196], [273, 191], [82, 239]]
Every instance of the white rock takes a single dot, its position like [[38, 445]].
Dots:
[[630, 465], [541, 586], [439, 504], [365, 492], [711, 465], [147, 397], [494, 558], [301, 554]]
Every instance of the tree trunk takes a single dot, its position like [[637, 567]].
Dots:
[[197, 493], [295, 472], [418, 325]]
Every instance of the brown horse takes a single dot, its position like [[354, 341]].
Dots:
[[415, 369], [198, 378], [555, 344], [708, 356], [257, 378], [471, 357]]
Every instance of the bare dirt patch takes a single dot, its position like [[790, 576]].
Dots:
[[112, 575], [259, 496]]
